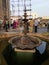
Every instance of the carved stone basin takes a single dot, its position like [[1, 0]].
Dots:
[[25, 42]]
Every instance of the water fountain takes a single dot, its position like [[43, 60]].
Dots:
[[24, 45], [24, 41]]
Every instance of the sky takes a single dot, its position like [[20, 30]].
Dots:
[[41, 7]]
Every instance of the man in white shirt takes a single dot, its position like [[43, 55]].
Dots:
[[36, 24]]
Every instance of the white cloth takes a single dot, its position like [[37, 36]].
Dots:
[[36, 23], [42, 47]]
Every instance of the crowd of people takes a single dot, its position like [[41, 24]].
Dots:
[[7, 24]]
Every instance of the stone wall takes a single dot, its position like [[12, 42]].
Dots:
[[4, 8]]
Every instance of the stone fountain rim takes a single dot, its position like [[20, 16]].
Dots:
[[10, 41]]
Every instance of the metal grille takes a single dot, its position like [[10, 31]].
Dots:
[[17, 7]]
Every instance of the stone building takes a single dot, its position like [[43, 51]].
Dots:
[[4, 8]]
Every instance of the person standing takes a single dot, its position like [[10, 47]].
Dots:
[[5, 22], [48, 26], [15, 24], [0, 24], [35, 24]]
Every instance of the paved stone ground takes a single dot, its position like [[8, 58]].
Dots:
[[40, 30]]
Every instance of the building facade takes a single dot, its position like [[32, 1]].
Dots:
[[4, 8]]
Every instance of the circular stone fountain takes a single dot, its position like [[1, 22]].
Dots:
[[25, 42], [24, 46]]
